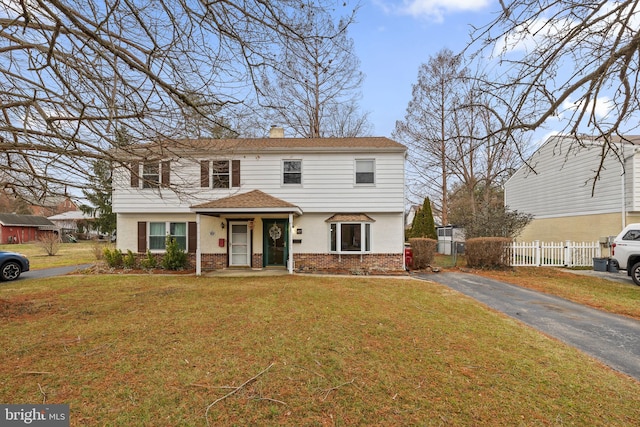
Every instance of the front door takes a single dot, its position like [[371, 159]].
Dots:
[[275, 239], [239, 244]]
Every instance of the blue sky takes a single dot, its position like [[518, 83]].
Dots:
[[394, 37]]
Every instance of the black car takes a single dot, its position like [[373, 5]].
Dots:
[[12, 264]]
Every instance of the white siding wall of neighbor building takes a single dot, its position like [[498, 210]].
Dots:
[[561, 182], [559, 192]]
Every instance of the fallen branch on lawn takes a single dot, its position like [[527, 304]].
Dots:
[[336, 387], [235, 390], [44, 394]]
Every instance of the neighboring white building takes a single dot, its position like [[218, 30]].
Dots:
[[296, 203], [68, 222], [556, 187]]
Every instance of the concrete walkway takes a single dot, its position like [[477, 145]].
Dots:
[[613, 339]]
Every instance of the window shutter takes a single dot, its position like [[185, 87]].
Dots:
[[204, 173], [193, 237], [235, 173], [142, 237], [166, 173], [135, 171]]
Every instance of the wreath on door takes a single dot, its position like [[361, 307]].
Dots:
[[275, 233]]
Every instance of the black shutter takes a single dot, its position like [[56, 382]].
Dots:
[[135, 171], [166, 173], [235, 173], [204, 173], [142, 237], [193, 237]]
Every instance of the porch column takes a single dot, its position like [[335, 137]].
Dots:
[[198, 247], [290, 244]]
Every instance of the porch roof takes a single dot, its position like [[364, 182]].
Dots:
[[350, 217], [254, 201]]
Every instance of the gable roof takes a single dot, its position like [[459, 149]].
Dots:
[[361, 144], [42, 223], [350, 217], [255, 201]]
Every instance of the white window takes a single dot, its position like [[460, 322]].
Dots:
[[220, 174], [151, 175], [350, 237], [292, 172], [365, 171], [158, 234], [154, 174]]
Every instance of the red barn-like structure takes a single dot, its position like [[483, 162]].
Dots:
[[24, 228]]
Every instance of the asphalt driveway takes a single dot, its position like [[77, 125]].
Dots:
[[50, 272], [614, 340]]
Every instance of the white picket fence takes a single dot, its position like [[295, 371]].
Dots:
[[554, 254]]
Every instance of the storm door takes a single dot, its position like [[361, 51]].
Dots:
[[239, 244]]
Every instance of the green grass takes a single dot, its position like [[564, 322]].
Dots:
[[306, 351]]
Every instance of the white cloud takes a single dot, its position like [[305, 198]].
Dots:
[[603, 106], [432, 9]]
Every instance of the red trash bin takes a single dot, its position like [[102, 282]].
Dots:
[[408, 257]]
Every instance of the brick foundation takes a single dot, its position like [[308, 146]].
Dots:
[[349, 263], [212, 261], [306, 263]]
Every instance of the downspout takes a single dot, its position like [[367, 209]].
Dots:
[[624, 195], [624, 189]]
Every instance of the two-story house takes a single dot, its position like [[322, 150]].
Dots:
[[304, 204], [577, 190]]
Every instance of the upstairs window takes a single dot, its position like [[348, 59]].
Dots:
[[292, 172], [151, 175], [365, 171], [219, 173], [154, 174]]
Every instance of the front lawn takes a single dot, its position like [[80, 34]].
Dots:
[[175, 350], [83, 252]]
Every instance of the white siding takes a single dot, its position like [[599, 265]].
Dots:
[[562, 179], [328, 184]]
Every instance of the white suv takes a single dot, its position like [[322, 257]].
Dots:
[[625, 251]]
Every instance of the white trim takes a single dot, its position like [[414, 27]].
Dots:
[[290, 244], [198, 247], [231, 244], [355, 172], [288, 185]]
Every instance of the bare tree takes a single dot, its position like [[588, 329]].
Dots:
[[479, 166], [567, 60], [316, 90], [73, 71], [428, 130]]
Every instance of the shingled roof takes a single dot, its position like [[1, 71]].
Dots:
[[253, 201], [253, 145], [14, 220]]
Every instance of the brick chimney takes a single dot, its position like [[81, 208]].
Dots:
[[276, 132]]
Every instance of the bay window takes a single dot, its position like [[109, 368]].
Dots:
[[350, 237]]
